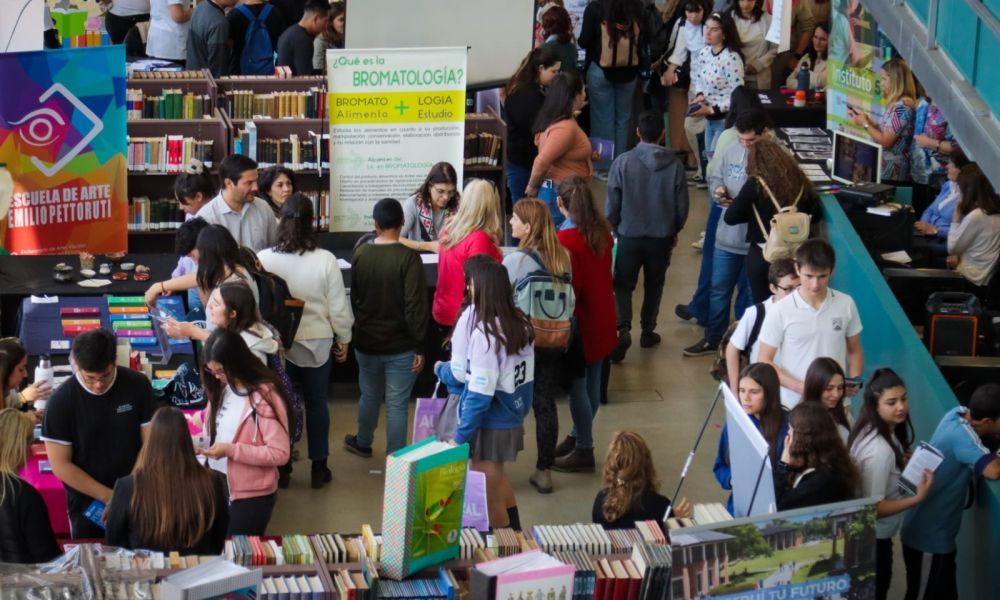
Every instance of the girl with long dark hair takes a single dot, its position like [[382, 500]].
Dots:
[[248, 421], [974, 236], [825, 385], [720, 71], [879, 442], [493, 363], [586, 235], [145, 509], [13, 372], [428, 209], [814, 59], [815, 467], [523, 99]]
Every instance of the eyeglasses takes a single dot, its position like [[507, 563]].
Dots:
[[99, 379], [788, 289], [444, 192]]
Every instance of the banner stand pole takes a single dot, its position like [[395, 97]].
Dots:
[[760, 474], [687, 464]]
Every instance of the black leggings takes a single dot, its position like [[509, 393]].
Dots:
[[757, 269], [883, 567], [544, 405], [118, 26], [250, 516]]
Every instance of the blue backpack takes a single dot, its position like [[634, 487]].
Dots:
[[257, 57]]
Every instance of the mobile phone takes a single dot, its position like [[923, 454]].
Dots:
[[693, 108], [853, 382]]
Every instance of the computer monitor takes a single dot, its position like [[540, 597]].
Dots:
[[855, 160]]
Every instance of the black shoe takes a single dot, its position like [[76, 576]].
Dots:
[[321, 474], [284, 477], [624, 342], [702, 348], [648, 339], [566, 446], [352, 446], [681, 310]]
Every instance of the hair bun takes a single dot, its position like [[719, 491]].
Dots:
[[195, 167]]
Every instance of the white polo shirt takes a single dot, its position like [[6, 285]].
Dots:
[[254, 227], [802, 334]]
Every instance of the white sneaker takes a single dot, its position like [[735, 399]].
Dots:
[[700, 244]]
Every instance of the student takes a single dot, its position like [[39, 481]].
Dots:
[[185, 243], [295, 46], [629, 490], [208, 37], [276, 185], [825, 385], [492, 358], [312, 275], [257, 58], [248, 423], [557, 27], [25, 531], [689, 38], [814, 321], [879, 443], [194, 189], [974, 236], [720, 72], [814, 60], [752, 25], [523, 99], [929, 530], [538, 252], [251, 223], [122, 15], [145, 510], [815, 467], [586, 235], [332, 37], [389, 298], [759, 396], [13, 372], [95, 425], [169, 21], [429, 208], [647, 206], [744, 343]]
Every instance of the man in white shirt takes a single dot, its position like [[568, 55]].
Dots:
[[252, 223], [811, 322]]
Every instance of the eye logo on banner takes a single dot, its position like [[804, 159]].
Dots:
[[47, 129]]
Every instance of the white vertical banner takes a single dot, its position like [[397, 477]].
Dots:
[[780, 32], [749, 459], [394, 113]]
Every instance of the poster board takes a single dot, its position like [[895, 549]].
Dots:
[[856, 53], [750, 461], [780, 31], [22, 25], [394, 113]]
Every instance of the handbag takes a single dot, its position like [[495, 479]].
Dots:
[[789, 227]]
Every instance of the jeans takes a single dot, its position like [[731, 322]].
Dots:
[[543, 404], [517, 180], [610, 110], [547, 193], [713, 128], [250, 516], [388, 376], [314, 385], [728, 270], [698, 306], [584, 400], [652, 255]]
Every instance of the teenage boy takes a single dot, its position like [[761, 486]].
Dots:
[[815, 320], [240, 20], [295, 46], [929, 528], [745, 340], [647, 205], [389, 298], [252, 223], [728, 257], [95, 425], [208, 37]]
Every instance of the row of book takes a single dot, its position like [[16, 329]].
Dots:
[[157, 214], [167, 154], [292, 587], [293, 152], [247, 104], [170, 104], [254, 551], [157, 75], [482, 149]]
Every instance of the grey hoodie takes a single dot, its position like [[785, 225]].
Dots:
[[730, 170], [647, 193]]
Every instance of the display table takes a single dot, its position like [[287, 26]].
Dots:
[[784, 114], [52, 491]]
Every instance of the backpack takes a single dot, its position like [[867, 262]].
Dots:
[[623, 54], [257, 57], [548, 300], [789, 227], [277, 305], [298, 407], [719, 370]]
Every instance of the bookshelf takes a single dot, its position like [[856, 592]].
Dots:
[[481, 159]]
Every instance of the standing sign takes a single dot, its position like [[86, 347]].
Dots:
[[62, 135], [394, 113], [854, 63], [749, 457]]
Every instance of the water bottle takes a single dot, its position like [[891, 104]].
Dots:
[[43, 373], [803, 78]]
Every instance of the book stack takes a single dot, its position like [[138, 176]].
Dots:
[[622, 540], [167, 154], [618, 579], [330, 548], [246, 104], [584, 578], [292, 587], [442, 588], [130, 320], [654, 564], [589, 537], [507, 542], [156, 75], [160, 214], [705, 514], [470, 542], [351, 584], [294, 152], [650, 531], [170, 104], [531, 573], [297, 550], [482, 149], [253, 551]]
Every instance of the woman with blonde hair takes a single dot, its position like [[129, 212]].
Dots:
[[629, 492], [894, 131], [25, 531], [540, 254]]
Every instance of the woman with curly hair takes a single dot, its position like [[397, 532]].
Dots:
[[815, 467], [629, 492]]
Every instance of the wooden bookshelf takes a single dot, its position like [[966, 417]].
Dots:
[[267, 85], [155, 87], [490, 123]]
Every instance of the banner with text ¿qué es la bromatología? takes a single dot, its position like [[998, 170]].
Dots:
[[62, 136], [394, 113]]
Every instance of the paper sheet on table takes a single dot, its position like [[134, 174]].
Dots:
[[899, 256], [780, 32], [44, 299], [94, 283], [343, 264], [817, 177], [429, 258], [925, 458]]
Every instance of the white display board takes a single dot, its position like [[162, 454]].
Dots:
[[21, 25], [497, 32], [748, 450]]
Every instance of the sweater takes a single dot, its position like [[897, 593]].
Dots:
[[647, 193], [810, 488], [757, 51], [519, 111], [25, 530], [260, 445], [752, 195], [389, 298], [315, 278], [650, 506], [208, 40], [730, 172], [595, 298], [563, 150], [295, 50], [451, 277], [976, 242], [717, 77], [817, 74]]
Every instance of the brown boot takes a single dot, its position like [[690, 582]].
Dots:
[[566, 446], [580, 460]]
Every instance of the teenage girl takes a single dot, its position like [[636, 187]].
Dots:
[[493, 362], [815, 467], [824, 384]]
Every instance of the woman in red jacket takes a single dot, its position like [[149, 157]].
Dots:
[[586, 235]]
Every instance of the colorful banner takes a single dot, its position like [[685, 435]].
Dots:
[[62, 135], [821, 552], [857, 50], [394, 113]]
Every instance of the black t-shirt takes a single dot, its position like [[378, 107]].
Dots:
[[238, 26], [650, 506], [520, 110], [295, 50], [292, 10], [103, 431], [25, 531]]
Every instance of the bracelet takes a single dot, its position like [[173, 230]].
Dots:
[[163, 289]]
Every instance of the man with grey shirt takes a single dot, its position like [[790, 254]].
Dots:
[[208, 37], [252, 223]]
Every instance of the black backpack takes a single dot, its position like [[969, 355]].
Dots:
[[277, 305], [719, 370]]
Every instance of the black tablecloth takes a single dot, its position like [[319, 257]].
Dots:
[[784, 114]]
